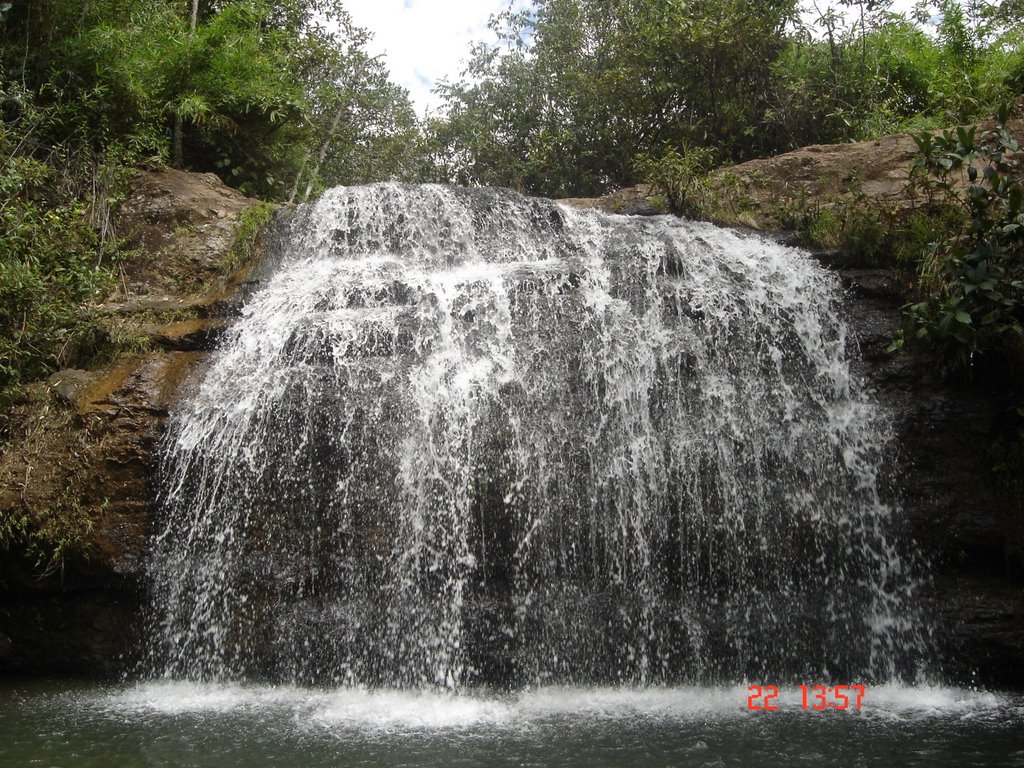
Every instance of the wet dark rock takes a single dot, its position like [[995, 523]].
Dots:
[[965, 520], [640, 200], [872, 284], [187, 335], [89, 632], [981, 629]]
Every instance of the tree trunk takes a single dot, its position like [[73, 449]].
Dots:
[[323, 150], [298, 177], [177, 144], [177, 139]]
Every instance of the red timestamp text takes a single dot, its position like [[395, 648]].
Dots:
[[764, 698]]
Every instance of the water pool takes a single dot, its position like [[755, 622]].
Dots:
[[186, 724]]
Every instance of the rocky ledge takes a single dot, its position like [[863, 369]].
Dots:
[[82, 455]]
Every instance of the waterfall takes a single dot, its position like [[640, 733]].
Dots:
[[464, 438]]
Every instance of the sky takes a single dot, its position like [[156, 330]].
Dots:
[[427, 41], [424, 41]]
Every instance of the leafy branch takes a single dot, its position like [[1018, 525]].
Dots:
[[973, 280]]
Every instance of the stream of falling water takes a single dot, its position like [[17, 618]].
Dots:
[[463, 437]]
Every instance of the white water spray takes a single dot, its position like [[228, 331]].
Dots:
[[462, 437]]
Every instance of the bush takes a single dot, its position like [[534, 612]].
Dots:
[[973, 280], [680, 176], [47, 537], [50, 254]]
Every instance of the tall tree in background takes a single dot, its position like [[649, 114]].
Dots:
[[577, 96], [239, 87], [177, 141], [361, 126], [576, 89]]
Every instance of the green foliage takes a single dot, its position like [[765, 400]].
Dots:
[[248, 93], [50, 254], [679, 176], [974, 280], [855, 227], [860, 81], [576, 97], [49, 536], [249, 231], [575, 91], [360, 126], [863, 229]]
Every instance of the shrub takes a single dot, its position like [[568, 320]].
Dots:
[[973, 280]]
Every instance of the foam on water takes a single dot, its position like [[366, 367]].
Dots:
[[218, 725], [396, 710]]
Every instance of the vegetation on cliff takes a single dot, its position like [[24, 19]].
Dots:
[[278, 99], [972, 276], [576, 97]]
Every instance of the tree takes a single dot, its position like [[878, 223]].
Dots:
[[575, 90], [238, 87]]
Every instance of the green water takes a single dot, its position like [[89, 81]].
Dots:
[[177, 724]]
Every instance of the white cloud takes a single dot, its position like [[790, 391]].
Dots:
[[424, 41]]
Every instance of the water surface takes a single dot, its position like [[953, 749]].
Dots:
[[186, 724]]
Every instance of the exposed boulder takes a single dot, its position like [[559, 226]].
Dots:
[[183, 229]]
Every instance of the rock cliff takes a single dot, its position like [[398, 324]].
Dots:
[[81, 460], [83, 454]]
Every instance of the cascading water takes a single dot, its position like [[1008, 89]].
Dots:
[[462, 437]]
